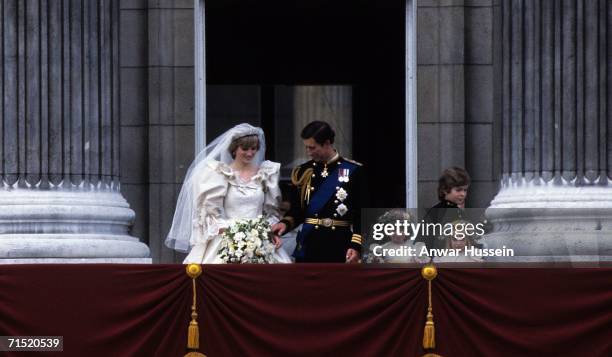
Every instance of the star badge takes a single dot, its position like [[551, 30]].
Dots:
[[342, 209], [324, 173], [341, 194]]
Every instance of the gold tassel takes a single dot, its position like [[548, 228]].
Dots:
[[193, 332], [429, 272], [429, 335]]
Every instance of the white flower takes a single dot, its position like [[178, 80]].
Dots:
[[342, 209], [239, 236], [251, 238], [341, 194], [269, 249]]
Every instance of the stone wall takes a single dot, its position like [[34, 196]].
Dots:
[[457, 64], [157, 86]]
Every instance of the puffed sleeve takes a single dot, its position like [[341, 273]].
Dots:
[[211, 189], [270, 172]]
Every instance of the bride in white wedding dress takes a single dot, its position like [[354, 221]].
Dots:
[[227, 180]]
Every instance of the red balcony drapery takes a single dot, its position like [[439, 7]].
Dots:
[[309, 310]]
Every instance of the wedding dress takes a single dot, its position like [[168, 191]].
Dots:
[[222, 196], [213, 195]]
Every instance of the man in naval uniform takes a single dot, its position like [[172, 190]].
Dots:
[[325, 200]]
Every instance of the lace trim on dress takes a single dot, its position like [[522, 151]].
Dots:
[[265, 171]]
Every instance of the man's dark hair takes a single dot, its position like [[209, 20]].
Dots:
[[452, 177], [320, 131]]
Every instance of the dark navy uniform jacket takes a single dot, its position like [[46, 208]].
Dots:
[[333, 187]]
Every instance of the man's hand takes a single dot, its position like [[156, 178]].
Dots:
[[352, 256], [279, 228]]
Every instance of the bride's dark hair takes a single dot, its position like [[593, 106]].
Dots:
[[245, 142]]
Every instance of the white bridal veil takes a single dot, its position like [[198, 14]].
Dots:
[[181, 233]]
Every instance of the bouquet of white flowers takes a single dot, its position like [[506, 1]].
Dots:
[[247, 241]]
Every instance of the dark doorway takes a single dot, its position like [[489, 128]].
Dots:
[[359, 44]]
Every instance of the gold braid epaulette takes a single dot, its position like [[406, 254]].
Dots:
[[303, 183]]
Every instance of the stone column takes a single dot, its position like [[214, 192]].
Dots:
[[555, 202], [332, 104], [59, 140], [411, 165]]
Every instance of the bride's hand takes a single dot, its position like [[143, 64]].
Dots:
[[279, 228], [277, 241]]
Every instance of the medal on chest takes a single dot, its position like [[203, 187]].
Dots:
[[343, 175]]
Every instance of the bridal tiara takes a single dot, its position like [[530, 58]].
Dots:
[[249, 132]]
